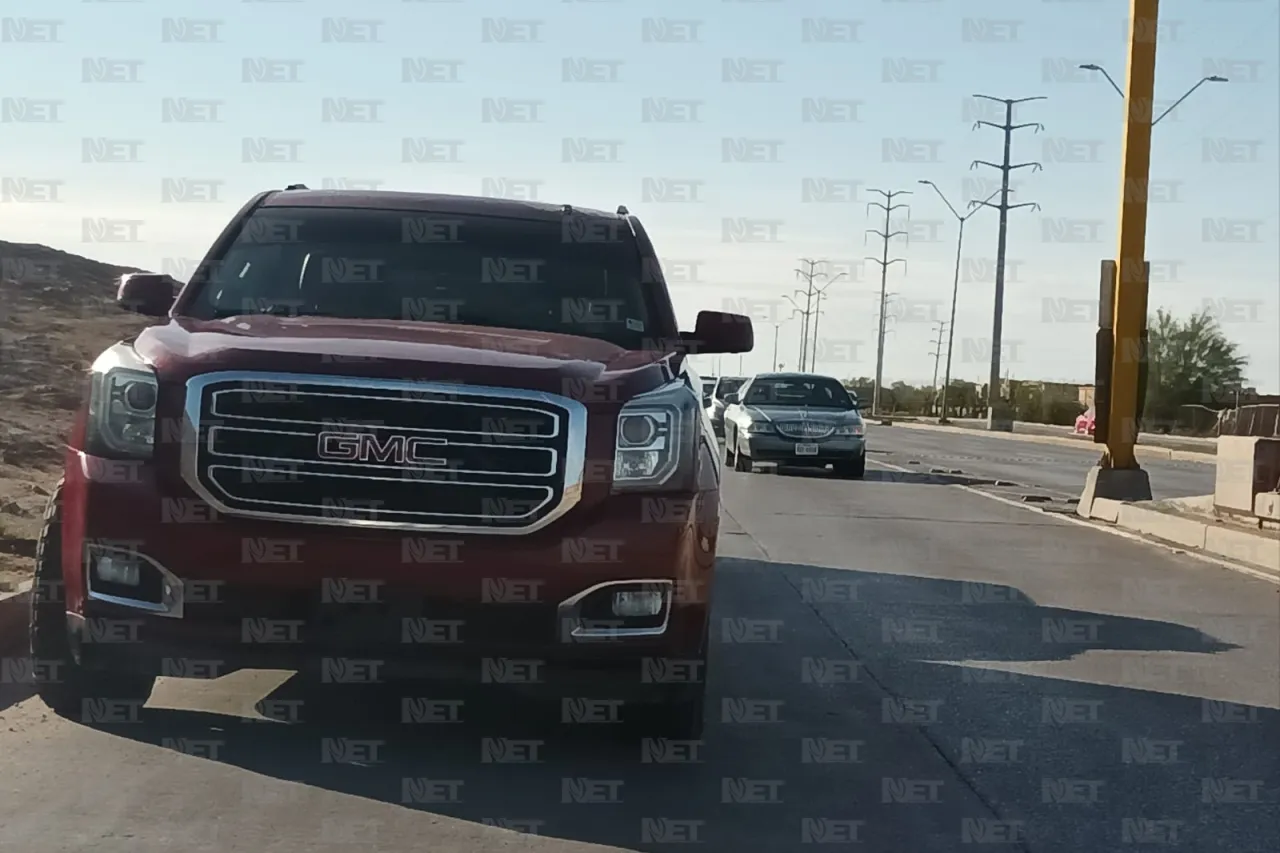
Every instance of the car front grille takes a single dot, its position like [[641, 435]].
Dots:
[[383, 453], [804, 429]]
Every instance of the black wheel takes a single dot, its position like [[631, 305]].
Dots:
[[742, 463], [730, 458], [855, 470], [67, 685]]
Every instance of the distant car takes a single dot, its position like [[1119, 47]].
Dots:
[[708, 386], [1085, 422], [715, 404], [794, 419]]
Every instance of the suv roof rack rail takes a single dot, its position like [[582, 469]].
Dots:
[[297, 187]]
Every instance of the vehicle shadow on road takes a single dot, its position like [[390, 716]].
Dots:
[[840, 699]]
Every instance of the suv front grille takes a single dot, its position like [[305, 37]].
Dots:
[[383, 453]]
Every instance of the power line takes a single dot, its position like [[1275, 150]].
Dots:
[[996, 417], [885, 262]]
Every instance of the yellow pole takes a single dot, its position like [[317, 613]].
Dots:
[[1131, 285]]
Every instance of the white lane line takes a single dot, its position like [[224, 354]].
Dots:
[[1115, 531]]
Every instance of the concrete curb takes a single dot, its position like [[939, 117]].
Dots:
[[1239, 546], [13, 621], [1062, 441]]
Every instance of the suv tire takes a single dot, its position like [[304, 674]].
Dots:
[[47, 630]]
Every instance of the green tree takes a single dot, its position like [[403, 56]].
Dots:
[[1189, 362]]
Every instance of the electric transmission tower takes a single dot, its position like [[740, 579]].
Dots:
[[812, 295], [937, 356], [996, 417], [885, 262]]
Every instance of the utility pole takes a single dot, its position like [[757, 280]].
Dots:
[[997, 417], [1117, 474], [886, 235], [937, 357]]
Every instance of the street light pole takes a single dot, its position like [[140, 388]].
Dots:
[[955, 287], [1213, 78], [1118, 475]]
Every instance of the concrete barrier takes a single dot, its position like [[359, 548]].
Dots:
[[1187, 532], [1246, 467]]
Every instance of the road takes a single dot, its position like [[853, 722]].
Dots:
[[898, 662], [1049, 468]]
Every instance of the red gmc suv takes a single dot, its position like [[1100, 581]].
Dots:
[[384, 436]]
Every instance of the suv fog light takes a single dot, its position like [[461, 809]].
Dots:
[[125, 571], [632, 604]]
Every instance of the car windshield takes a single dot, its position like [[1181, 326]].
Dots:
[[814, 393], [391, 265], [728, 386]]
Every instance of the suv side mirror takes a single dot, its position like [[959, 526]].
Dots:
[[718, 332], [148, 294], [731, 397]]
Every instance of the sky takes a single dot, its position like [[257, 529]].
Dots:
[[747, 135]]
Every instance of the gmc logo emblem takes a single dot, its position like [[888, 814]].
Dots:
[[367, 447]]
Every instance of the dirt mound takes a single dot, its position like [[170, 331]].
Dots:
[[57, 313]]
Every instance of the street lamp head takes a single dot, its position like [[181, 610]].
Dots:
[[1216, 79], [926, 183], [1089, 66]]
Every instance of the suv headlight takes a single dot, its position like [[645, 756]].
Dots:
[[122, 405], [656, 437], [850, 429], [759, 428]]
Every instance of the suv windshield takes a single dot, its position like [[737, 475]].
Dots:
[[393, 265], [815, 393], [728, 386]]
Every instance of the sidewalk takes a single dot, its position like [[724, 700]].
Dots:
[[1193, 524], [1188, 449]]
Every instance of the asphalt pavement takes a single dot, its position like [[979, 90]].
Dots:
[[1048, 468], [896, 665]]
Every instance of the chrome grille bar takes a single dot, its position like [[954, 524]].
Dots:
[[499, 461]]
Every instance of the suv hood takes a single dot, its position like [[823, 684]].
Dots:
[[553, 363]]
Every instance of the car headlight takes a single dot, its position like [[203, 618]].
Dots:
[[655, 438], [122, 405], [759, 428], [850, 429]]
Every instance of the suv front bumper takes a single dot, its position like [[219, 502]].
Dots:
[[224, 593]]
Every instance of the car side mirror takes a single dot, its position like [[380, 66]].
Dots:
[[731, 397], [718, 332], [148, 294]]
